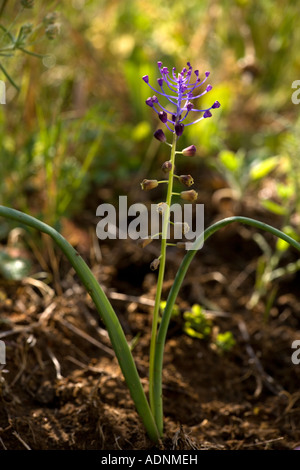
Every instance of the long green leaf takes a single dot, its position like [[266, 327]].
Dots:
[[106, 312], [162, 333]]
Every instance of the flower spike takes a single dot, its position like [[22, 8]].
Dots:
[[180, 94]]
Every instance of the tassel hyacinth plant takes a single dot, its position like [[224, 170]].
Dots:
[[180, 91]]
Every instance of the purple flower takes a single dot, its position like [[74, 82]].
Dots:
[[180, 94]]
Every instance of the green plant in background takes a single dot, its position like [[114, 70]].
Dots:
[[196, 324], [14, 38], [243, 171], [285, 204], [225, 341]]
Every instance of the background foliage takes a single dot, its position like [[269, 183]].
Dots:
[[79, 122]]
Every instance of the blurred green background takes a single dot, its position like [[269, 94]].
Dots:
[[79, 120]]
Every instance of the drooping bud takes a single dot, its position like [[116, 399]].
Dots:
[[146, 78], [208, 88], [149, 102], [166, 167], [144, 241], [187, 180], [163, 116], [179, 128], [189, 151], [155, 263], [146, 185], [160, 81], [207, 114], [190, 195], [160, 135], [207, 74], [216, 105]]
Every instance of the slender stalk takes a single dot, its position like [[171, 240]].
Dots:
[[106, 312], [162, 333], [9, 77], [160, 279]]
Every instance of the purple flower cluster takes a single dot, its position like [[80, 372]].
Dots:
[[180, 96]]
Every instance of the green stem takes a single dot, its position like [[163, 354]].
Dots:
[[166, 215], [106, 312], [162, 333], [9, 77]]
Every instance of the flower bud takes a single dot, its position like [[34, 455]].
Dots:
[[181, 245], [50, 18], [160, 135], [144, 241], [154, 265], [25, 30], [179, 128], [52, 31], [27, 3], [207, 114], [146, 185], [166, 166], [189, 195], [187, 180], [163, 116], [149, 102], [216, 105], [189, 151], [161, 207]]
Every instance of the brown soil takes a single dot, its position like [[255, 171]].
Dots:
[[62, 388]]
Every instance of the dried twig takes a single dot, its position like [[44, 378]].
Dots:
[[262, 378], [56, 364], [86, 336], [21, 440]]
